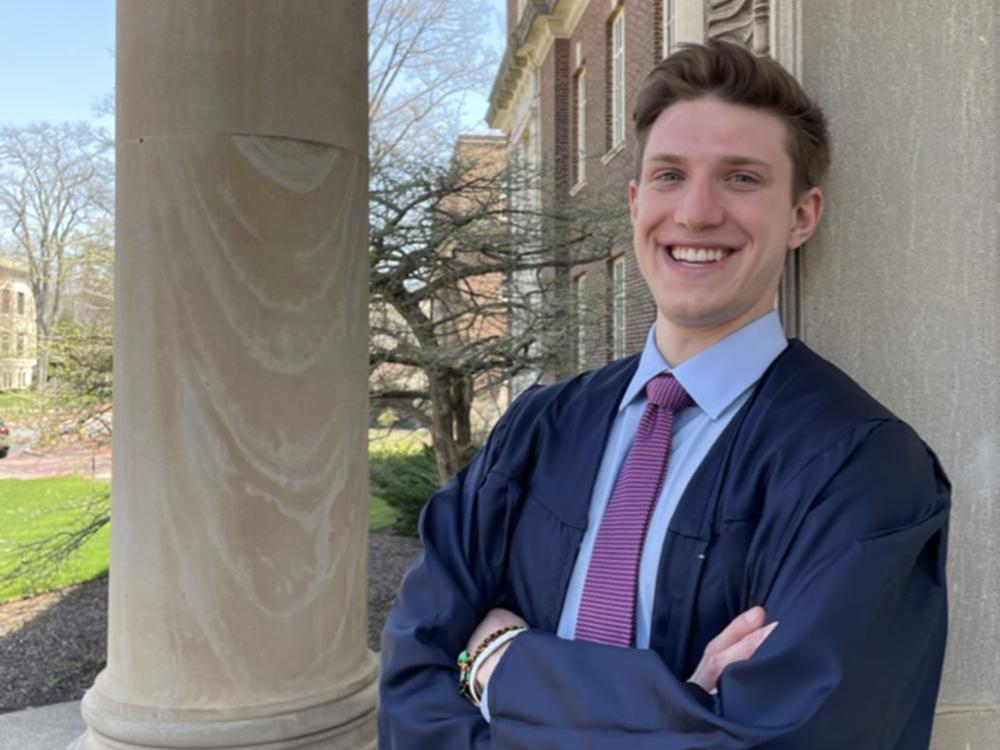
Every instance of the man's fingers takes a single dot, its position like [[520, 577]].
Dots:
[[713, 664], [746, 647], [742, 626]]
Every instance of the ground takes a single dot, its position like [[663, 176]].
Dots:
[[85, 461], [53, 645]]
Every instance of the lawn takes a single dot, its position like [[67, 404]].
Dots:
[[18, 406], [33, 509]]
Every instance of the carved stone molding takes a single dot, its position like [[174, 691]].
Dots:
[[743, 21]]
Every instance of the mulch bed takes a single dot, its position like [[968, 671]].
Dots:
[[53, 645]]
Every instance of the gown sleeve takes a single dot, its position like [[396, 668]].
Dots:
[[442, 599], [855, 577]]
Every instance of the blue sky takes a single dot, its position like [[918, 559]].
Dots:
[[58, 60]]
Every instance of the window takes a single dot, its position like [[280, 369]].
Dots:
[[580, 290], [581, 127], [618, 307], [618, 79], [20, 303], [669, 14], [20, 343], [5, 301], [4, 343]]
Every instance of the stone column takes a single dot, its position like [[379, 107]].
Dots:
[[900, 285], [238, 583]]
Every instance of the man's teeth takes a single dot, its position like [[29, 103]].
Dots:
[[698, 254]]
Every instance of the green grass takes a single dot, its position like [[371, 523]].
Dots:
[[33, 509], [17, 402], [381, 515], [383, 441]]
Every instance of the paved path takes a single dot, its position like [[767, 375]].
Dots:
[[47, 728], [83, 461]]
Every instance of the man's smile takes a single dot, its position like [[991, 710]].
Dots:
[[697, 256]]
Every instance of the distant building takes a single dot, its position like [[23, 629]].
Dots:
[[18, 333], [472, 311], [480, 300], [563, 96]]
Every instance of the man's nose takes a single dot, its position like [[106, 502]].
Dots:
[[699, 206]]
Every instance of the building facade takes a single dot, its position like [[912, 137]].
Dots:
[[565, 90], [17, 327]]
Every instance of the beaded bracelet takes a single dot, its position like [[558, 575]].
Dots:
[[481, 659], [467, 663]]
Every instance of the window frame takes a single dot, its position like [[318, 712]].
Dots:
[[669, 12], [617, 75], [618, 307], [579, 293], [580, 89]]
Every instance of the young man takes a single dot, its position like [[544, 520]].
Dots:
[[721, 543]]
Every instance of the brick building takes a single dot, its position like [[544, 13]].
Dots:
[[564, 96]]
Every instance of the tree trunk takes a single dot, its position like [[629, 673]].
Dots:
[[42, 367], [451, 418]]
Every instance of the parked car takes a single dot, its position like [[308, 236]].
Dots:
[[4, 439]]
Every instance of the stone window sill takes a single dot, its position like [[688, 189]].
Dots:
[[615, 150]]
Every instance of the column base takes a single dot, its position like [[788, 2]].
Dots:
[[966, 727], [341, 720]]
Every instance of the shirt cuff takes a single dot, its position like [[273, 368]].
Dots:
[[484, 707]]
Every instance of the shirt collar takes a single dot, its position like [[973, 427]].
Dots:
[[717, 376]]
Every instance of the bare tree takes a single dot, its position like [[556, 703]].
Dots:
[[424, 57], [446, 245], [55, 187]]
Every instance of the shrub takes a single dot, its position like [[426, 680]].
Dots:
[[405, 479]]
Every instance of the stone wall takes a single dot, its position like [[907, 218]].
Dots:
[[900, 286]]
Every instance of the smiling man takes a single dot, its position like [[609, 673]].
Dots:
[[723, 542]]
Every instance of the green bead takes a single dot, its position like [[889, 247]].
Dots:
[[463, 658]]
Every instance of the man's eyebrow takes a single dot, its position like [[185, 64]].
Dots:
[[735, 160], [739, 160]]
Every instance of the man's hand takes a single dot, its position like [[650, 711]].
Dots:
[[739, 641], [495, 619]]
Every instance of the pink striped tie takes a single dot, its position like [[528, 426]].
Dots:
[[607, 609]]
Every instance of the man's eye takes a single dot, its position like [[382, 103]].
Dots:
[[669, 175], [745, 179]]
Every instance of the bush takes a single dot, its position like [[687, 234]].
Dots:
[[405, 479]]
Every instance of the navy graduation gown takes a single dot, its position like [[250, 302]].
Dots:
[[815, 502]]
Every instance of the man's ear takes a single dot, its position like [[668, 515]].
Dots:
[[633, 193], [805, 217]]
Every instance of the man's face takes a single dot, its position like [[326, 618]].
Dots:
[[712, 215]]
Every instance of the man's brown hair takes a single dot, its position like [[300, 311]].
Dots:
[[734, 74]]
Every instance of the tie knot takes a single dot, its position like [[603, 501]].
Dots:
[[667, 393]]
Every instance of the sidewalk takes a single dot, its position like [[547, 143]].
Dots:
[[47, 728], [82, 461]]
